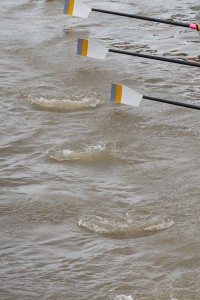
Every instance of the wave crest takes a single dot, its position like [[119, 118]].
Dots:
[[123, 297], [116, 228], [62, 104], [86, 153]]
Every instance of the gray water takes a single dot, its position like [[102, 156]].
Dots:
[[98, 200]]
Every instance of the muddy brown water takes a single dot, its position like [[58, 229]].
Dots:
[[97, 200]]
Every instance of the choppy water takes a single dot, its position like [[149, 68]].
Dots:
[[98, 201]]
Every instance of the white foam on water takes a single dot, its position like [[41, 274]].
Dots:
[[164, 224], [86, 153], [94, 223], [121, 228], [123, 297], [62, 104]]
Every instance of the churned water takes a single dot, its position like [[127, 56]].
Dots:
[[97, 200]]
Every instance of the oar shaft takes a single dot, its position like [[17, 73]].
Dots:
[[175, 23], [173, 102], [171, 60]]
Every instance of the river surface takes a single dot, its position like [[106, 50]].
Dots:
[[98, 201]]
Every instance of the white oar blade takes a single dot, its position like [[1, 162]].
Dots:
[[76, 8], [122, 94], [91, 48]]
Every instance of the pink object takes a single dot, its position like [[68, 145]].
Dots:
[[193, 26]]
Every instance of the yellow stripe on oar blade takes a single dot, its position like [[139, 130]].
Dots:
[[76, 8], [71, 7], [122, 94], [118, 93], [84, 47]]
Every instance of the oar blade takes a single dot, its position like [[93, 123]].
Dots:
[[123, 94], [91, 48], [76, 8]]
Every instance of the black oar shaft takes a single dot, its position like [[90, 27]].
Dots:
[[171, 60], [173, 102], [142, 18]]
